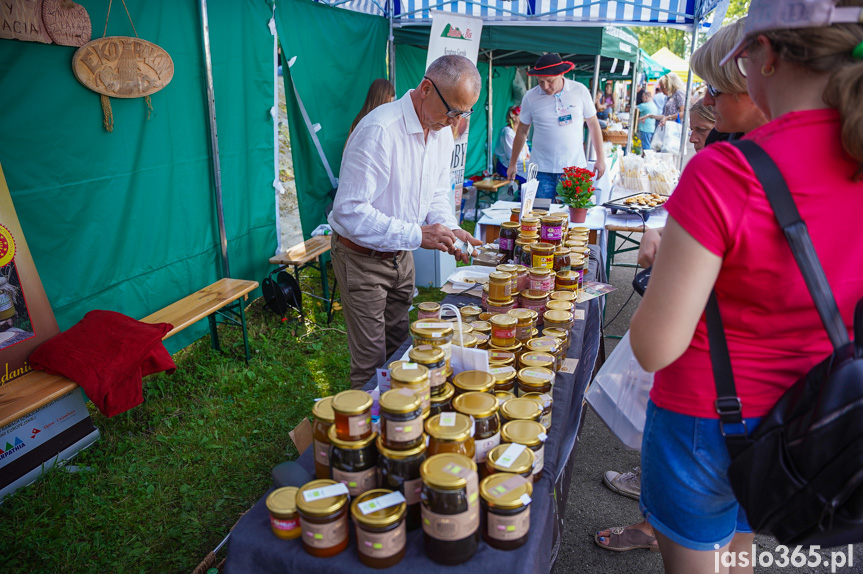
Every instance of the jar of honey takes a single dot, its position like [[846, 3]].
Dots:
[[470, 313], [540, 279], [515, 214], [450, 432], [401, 419], [562, 261], [561, 335], [284, 518], [513, 273], [535, 380], [499, 286], [520, 409], [504, 378], [428, 310], [483, 327], [354, 463], [559, 305], [433, 333], [503, 396], [535, 300], [466, 340], [505, 510], [506, 242], [323, 508], [558, 319], [381, 532], [515, 349], [433, 359], [414, 377], [468, 381], [499, 307], [482, 409], [530, 226], [564, 295], [442, 403], [400, 470], [542, 255], [532, 435], [566, 281], [450, 508], [519, 460], [537, 359], [503, 330], [545, 402], [523, 279], [352, 413], [501, 358], [518, 253], [324, 417], [551, 229], [526, 322]]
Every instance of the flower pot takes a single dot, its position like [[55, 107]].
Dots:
[[577, 214]]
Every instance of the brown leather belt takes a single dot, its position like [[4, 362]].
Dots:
[[384, 255]]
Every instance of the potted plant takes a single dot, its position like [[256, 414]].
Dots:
[[575, 190]]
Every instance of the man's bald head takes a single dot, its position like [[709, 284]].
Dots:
[[455, 73]]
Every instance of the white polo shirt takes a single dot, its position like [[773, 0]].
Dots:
[[557, 146]]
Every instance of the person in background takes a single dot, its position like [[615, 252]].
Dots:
[[394, 197], [804, 70], [701, 123], [659, 98], [503, 149], [380, 92], [675, 92], [606, 102], [646, 124]]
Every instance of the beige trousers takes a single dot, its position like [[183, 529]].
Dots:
[[376, 295]]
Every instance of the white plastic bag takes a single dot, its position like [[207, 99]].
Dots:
[[667, 138], [619, 394]]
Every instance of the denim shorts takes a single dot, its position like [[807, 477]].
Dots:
[[547, 188], [685, 492]]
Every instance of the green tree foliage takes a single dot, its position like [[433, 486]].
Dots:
[[653, 38]]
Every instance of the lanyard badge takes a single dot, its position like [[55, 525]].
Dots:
[[564, 116]]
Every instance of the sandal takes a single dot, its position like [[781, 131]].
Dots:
[[626, 538]]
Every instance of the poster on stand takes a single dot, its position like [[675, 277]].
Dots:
[[459, 35]]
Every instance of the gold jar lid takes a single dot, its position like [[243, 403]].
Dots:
[[525, 241], [400, 454], [540, 271], [556, 316], [429, 306], [515, 210], [564, 295], [350, 444], [556, 332], [507, 268], [503, 396], [522, 270], [465, 326], [486, 315], [544, 400], [479, 381], [515, 348], [448, 392], [460, 431], [466, 340], [470, 311], [545, 360], [379, 518], [536, 376], [560, 250], [552, 218], [504, 321], [481, 339], [351, 402], [544, 344], [523, 463], [427, 355], [400, 401], [431, 329], [500, 358], [581, 229], [496, 494], [511, 224], [446, 471], [502, 375], [534, 295], [530, 219], [541, 247], [283, 500], [528, 433], [477, 405], [323, 410], [320, 506], [410, 373], [520, 409], [523, 314], [559, 305], [500, 303], [577, 260], [499, 277], [481, 327], [566, 276]]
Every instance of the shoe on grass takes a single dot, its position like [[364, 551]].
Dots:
[[626, 483]]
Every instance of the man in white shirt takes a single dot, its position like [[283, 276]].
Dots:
[[558, 109], [393, 198]]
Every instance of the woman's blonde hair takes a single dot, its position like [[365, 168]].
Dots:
[[704, 112], [671, 83], [827, 50], [705, 60]]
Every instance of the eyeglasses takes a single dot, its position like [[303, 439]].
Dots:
[[712, 91], [450, 113]]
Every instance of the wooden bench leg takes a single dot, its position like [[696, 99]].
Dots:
[[245, 330], [324, 280]]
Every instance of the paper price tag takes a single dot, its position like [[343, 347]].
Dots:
[[510, 455], [508, 485], [542, 436], [406, 392], [433, 325], [501, 370], [568, 366], [325, 492], [447, 419], [525, 499], [381, 502], [578, 314], [539, 375], [409, 366]]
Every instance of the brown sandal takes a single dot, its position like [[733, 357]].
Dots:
[[626, 538]]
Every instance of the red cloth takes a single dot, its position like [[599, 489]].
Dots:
[[107, 354], [773, 330]]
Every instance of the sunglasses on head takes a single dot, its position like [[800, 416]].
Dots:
[[450, 113]]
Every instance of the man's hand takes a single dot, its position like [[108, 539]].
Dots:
[[599, 167], [438, 236], [510, 173], [467, 238], [649, 246]]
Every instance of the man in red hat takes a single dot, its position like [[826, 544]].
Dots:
[[558, 109]]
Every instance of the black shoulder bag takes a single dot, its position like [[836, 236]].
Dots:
[[799, 476]]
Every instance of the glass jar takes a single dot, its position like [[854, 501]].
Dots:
[[526, 323], [450, 432], [532, 435], [520, 409], [542, 345], [535, 301], [466, 340], [518, 254], [504, 378], [559, 305], [523, 279], [564, 295], [354, 463], [499, 286], [500, 307], [400, 470], [530, 226], [433, 333], [503, 330], [522, 464], [284, 518], [352, 413], [515, 349], [515, 214], [506, 241], [503, 396], [535, 380], [470, 313], [578, 267], [513, 274], [540, 279], [482, 408], [562, 261], [545, 402], [323, 518], [532, 359], [324, 417], [482, 340], [500, 358], [566, 281], [551, 229], [484, 300], [558, 319], [381, 534], [526, 259], [505, 510], [428, 310], [542, 255], [562, 336], [443, 402], [450, 508], [415, 377], [433, 359], [478, 381], [401, 419]]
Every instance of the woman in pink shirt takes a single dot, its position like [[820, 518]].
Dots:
[[722, 235]]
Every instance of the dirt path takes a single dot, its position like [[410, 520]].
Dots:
[[289, 213]]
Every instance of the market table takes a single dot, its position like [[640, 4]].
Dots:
[[254, 548]]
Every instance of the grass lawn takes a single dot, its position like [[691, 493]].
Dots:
[[169, 478]]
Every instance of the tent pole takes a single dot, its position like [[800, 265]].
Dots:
[[214, 140], [391, 47], [684, 128], [489, 151], [632, 108], [587, 147]]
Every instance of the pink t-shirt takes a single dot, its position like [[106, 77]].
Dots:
[[773, 330]]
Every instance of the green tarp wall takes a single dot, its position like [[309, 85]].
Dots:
[[126, 221]]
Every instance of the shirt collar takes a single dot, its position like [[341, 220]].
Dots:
[[412, 121]]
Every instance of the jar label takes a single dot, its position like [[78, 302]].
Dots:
[[501, 370], [359, 424], [552, 232], [450, 527], [428, 314], [325, 492], [545, 419], [539, 374], [433, 325], [509, 456], [546, 261], [284, 525], [447, 419], [383, 544], [506, 244], [324, 535], [437, 377], [412, 490], [560, 287], [500, 355], [539, 459], [403, 431], [522, 333], [381, 502], [357, 482], [322, 452], [507, 528], [498, 333], [483, 446]]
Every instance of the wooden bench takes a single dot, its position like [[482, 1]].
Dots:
[[487, 188], [35, 389], [304, 255]]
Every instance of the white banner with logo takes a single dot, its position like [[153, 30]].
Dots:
[[459, 35]]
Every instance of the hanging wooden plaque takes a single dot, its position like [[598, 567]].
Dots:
[[123, 67], [66, 22], [22, 20]]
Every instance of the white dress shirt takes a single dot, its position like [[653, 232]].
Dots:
[[393, 181]]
